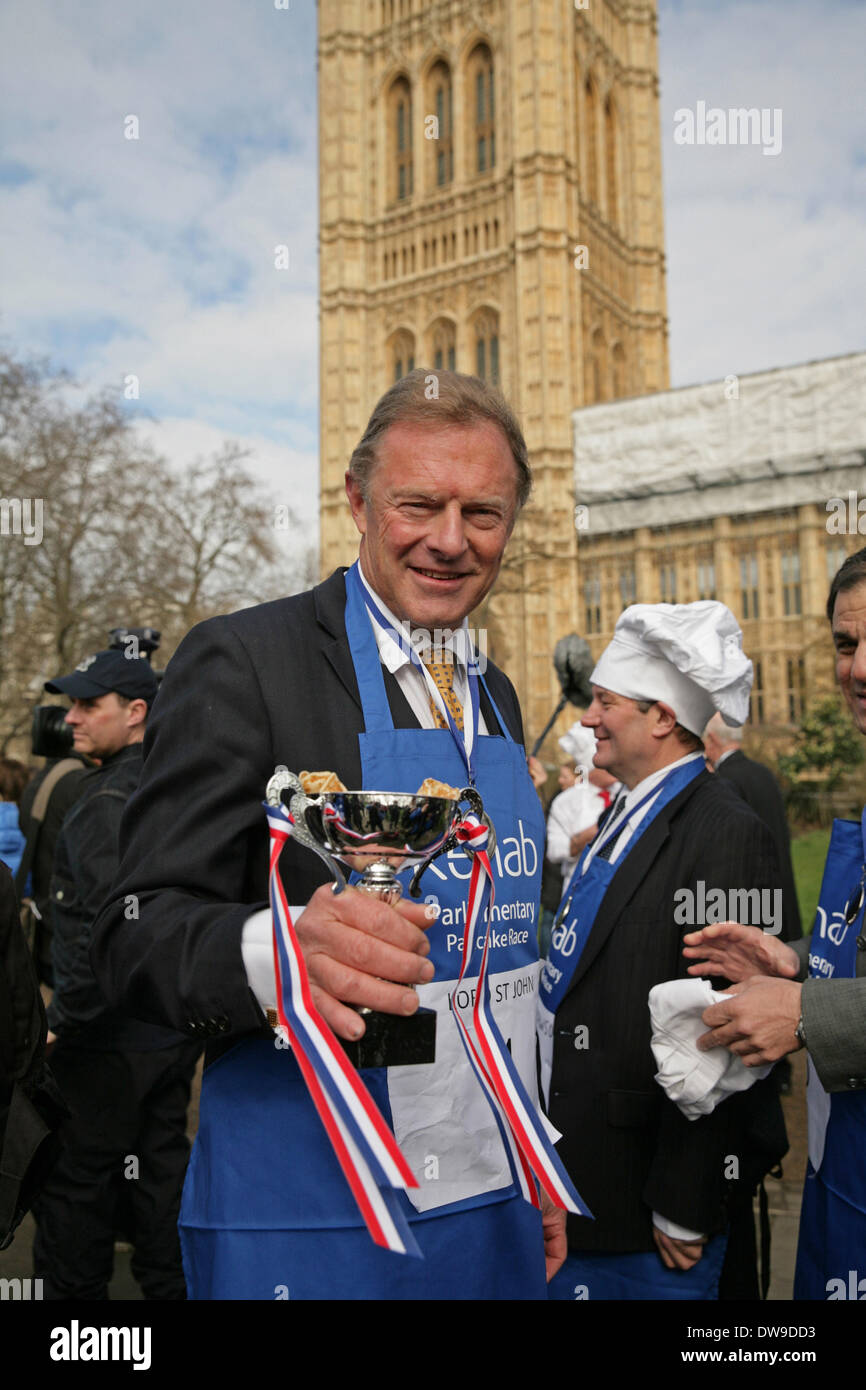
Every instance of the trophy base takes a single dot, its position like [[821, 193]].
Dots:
[[392, 1041]]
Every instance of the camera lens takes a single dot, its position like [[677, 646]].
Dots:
[[51, 735]]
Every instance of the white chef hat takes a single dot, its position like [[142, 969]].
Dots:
[[579, 743], [688, 655]]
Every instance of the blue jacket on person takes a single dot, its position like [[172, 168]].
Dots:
[[11, 840]]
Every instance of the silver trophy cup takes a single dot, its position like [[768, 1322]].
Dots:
[[376, 834]]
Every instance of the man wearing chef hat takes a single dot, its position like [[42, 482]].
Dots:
[[655, 1181]]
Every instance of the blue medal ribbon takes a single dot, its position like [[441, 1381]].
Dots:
[[467, 741]]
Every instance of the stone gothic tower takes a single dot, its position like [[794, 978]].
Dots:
[[491, 200]]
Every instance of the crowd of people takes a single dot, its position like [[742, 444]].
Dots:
[[125, 1084], [594, 1124]]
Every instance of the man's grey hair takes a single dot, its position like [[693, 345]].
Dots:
[[725, 733], [427, 397]]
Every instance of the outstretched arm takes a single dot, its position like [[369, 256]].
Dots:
[[736, 952]]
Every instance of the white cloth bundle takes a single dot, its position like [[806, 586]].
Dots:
[[695, 1081]]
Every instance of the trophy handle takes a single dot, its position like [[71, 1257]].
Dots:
[[282, 781], [475, 804]]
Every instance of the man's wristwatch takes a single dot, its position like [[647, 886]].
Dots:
[[800, 1032]]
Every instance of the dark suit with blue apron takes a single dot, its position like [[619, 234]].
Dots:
[[266, 1211], [590, 1274]]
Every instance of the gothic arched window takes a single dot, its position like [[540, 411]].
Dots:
[[595, 380], [610, 154], [443, 340], [485, 331], [400, 128], [481, 104], [440, 105], [591, 138], [402, 354], [617, 360]]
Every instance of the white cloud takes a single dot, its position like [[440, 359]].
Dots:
[[156, 255], [287, 476], [223, 359], [765, 260]]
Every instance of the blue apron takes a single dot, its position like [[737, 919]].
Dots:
[[640, 1275], [266, 1211], [579, 909], [831, 1256]]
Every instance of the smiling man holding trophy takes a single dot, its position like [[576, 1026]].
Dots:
[[335, 1141]]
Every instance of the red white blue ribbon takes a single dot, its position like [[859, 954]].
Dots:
[[532, 1152], [367, 1151]]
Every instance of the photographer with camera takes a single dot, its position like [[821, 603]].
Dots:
[[127, 1083]]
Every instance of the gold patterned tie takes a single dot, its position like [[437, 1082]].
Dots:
[[443, 674]]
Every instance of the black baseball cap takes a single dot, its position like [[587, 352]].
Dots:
[[99, 674]]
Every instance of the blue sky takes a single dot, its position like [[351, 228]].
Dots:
[[155, 256], [765, 254]]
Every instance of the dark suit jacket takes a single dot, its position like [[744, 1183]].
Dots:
[[85, 863], [628, 1148], [268, 685], [760, 790]]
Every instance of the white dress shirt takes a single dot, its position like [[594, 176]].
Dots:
[[623, 805], [411, 681]]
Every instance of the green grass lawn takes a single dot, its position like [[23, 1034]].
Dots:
[[808, 853]]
